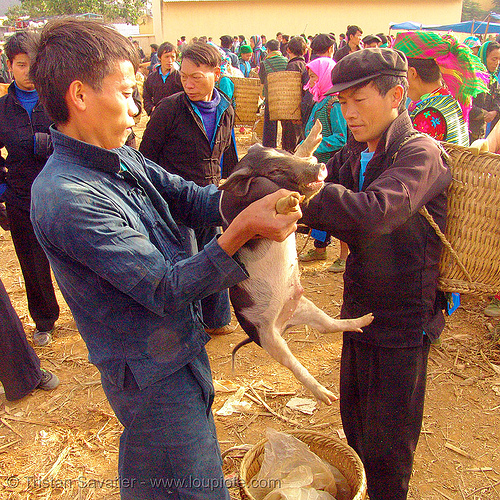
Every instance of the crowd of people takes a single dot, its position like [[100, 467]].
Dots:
[[134, 237]]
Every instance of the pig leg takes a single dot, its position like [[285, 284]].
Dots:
[[289, 203], [307, 313], [277, 348]]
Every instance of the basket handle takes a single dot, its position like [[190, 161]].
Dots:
[[425, 213]]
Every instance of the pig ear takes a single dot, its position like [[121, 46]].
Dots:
[[238, 183]]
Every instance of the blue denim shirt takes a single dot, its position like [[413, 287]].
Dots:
[[107, 221]]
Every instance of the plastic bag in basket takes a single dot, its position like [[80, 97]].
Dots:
[[289, 465]]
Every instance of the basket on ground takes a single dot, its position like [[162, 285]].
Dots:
[[473, 224], [328, 448], [284, 93], [246, 99]]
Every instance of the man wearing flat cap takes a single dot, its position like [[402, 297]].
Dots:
[[379, 181]]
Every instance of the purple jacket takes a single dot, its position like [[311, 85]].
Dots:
[[392, 268]]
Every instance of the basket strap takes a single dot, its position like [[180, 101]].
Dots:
[[425, 213]]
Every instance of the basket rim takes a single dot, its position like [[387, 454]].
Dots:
[[251, 454]]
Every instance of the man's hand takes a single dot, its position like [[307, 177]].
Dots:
[[260, 219], [311, 142]]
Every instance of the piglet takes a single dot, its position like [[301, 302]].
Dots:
[[272, 298]]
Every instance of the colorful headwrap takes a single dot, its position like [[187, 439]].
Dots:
[[472, 42], [322, 67], [462, 71], [482, 54]]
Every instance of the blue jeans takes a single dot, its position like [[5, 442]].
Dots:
[[169, 448]]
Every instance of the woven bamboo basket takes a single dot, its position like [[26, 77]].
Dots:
[[246, 98], [470, 262], [328, 448], [284, 91]]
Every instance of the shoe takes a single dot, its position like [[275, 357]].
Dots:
[[49, 381], [338, 266], [313, 254], [223, 330], [493, 308], [41, 339]]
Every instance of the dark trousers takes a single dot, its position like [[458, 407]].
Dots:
[[292, 135], [216, 308], [19, 365], [382, 393], [169, 448], [270, 132], [42, 302]]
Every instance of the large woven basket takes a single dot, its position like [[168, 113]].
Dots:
[[328, 448], [470, 262], [284, 92], [246, 98]]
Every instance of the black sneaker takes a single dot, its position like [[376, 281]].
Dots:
[[41, 339], [49, 381]]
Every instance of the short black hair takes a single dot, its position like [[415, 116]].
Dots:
[[74, 49], [297, 46], [166, 47], [427, 69], [202, 53], [384, 83], [154, 46], [21, 42], [272, 45], [352, 30]]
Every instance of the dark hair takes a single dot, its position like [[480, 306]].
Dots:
[[278, 34], [382, 37], [491, 47], [272, 45], [166, 47], [71, 49], [297, 46], [226, 41], [384, 83], [285, 37], [352, 30], [202, 53], [154, 46], [427, 69], [21, 42]]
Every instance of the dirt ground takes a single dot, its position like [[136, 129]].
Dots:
[[64, 444]]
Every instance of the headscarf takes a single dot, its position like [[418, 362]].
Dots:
[[322, 67], [472, 42], [462, 71], [483, 54], [257, 42], [258, 51]]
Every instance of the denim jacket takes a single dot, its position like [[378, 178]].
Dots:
[[106, 219]]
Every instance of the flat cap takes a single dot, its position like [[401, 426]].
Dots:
[[366, 64], [321, 43], [368, 39]]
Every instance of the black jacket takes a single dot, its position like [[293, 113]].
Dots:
[[175, 139], [155, 89], [481, 104], [392, 268], [27, 142]]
